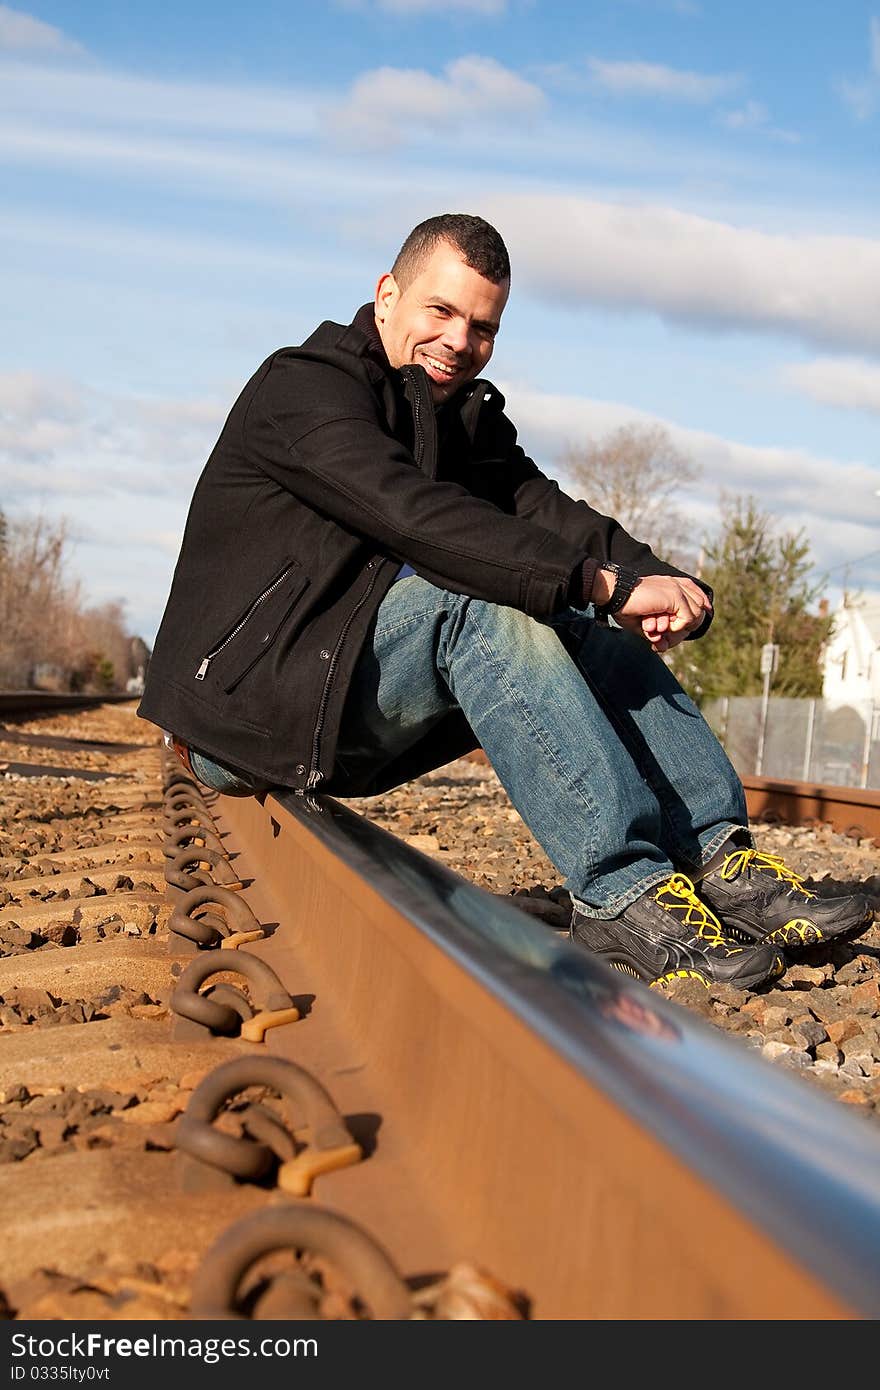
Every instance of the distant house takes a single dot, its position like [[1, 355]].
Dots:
[[851, 670]]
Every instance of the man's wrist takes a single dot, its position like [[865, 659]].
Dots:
[[621, 581], [603, 586]]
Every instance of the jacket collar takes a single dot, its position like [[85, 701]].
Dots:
[[362, 336]]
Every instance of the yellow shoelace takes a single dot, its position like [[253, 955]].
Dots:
[[696, 913], [740, 860]]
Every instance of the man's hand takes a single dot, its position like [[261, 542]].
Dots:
[[662, 608]]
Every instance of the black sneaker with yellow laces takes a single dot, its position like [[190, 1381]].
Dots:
[[669, 934], [760, 899]]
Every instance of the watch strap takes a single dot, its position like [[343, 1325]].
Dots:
[[625, 581]]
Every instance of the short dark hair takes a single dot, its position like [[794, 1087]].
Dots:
[[476, 241]]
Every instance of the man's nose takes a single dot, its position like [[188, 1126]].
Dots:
[[457, 336]]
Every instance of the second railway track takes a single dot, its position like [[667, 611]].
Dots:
[[520, 1131]]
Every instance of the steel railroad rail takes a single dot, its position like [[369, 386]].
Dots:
[[30, 702], [591, 1144], [854, 811]]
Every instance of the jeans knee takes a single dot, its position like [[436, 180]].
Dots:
[[509, 624]]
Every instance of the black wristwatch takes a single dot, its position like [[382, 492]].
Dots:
[[626, 580]]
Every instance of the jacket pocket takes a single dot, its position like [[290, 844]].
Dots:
[[253, 634]]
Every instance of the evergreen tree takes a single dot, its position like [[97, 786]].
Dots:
[[762, 594]]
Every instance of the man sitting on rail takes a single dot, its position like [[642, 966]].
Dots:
[[375, 578]]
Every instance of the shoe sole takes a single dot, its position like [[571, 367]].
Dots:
[[625, 967], [799, 934]]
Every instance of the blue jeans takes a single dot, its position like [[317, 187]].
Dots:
[[229, 781], [611, 766], [609, 763]]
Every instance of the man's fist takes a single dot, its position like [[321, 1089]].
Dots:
[[664, 610]]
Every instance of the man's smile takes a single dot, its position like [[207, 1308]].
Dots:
[[438, 368]]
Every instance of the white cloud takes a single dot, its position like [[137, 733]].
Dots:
[[134, 129], [119, 469], [21, 33], [655, 80], [686, 268], [748, 117], [29, 396], [28, 89], [248, 142], [417, 7], [232, 171], [384, 105], [144, 244], [862, 96], [144, 124], [754, 116], [62, 438], [850, 382], [167, 542], [687, 8]]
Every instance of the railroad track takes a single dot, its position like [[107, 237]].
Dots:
[[852, 810], [461, 1115]]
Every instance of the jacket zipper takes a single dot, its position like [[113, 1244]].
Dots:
[[206, 661], [417, 413], [415, 396], [315, 777]]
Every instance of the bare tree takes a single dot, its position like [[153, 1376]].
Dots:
[[35, 599], [103, 647], [632, 474], [45, 633]]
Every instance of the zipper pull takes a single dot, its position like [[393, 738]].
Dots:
[[203, 669], [314, 778]]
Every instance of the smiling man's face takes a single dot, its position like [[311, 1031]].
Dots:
[[444, 320]]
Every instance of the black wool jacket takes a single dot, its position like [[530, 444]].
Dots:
[[333, 469]]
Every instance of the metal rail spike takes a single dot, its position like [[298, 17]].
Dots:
[[239, 923], [318, 1230], [306, 1105], [182, 869], [277, 1007]]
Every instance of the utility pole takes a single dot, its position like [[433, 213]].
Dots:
[[769, 662]]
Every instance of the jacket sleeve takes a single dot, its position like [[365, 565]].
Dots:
[[539, 499], [314, 427]]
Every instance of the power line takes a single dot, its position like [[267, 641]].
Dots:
[[848, 564]]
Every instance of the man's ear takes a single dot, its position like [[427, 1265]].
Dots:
[[387, 295]]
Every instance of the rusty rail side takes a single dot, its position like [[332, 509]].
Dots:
[[608, 1153], [853, 811]]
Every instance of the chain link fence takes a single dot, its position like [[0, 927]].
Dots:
[[799, 740]]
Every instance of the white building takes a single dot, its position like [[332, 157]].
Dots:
[[851, 670]]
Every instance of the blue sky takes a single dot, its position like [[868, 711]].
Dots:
[[688, 192]]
